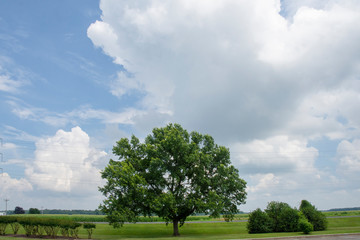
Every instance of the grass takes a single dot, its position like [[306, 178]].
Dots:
[[102, 218], [222, 230], [342, 213]]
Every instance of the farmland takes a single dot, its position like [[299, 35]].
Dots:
[[202, 230], [102, 218]]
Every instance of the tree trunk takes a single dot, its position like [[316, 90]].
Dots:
[[176, 228]]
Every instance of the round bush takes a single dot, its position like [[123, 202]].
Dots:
[[259, 222]]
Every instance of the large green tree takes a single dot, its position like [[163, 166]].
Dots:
[[173, 174]]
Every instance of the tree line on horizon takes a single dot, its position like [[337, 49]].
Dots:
[[20, 210]]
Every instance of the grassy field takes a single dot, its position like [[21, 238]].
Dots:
[[101, 218], [222, 230], [342, 213]]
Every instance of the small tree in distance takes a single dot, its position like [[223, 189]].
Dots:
[[19, 210], [34, 211], [173, 174]]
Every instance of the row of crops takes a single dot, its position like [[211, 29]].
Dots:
[[39, 227]]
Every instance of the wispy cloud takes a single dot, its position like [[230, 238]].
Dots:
[[25, 111], [9, 85], [13, 77]]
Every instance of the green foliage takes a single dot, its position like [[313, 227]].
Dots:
[[259, 222], [284, 218], [289, 220], [173, 175], [89, 228], [3, 224], [35, 226], [19, 210], [9, 220], [34, 211], [315, 217], [278, 217], [305, 226], [76, 218]]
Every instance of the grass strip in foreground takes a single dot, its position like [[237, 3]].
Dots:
[[223, 230]]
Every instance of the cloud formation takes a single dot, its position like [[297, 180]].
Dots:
[[82, 113], [267, 78], [66, 163], [235, 69]]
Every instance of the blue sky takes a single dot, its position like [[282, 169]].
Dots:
[[275, 81]]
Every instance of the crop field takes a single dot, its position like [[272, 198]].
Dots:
[[102, 218], [342, 213], [204, 230]]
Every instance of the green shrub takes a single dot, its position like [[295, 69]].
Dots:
[[74, 229], [14, 224], [284, 218], [4, 221], [259, 222], [89, 228], [28, 225], [278, 217], [315, 217], [288, 220], [305, 226]]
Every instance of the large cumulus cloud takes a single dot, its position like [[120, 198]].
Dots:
[[66, 163], [236, 69], [258, 75]]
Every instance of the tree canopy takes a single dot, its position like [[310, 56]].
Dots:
[[173, 174], [34, 211], [19, 210]]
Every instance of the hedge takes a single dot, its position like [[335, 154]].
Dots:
[[38, 227]]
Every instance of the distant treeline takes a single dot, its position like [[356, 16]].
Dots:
[[343, 209], [71, 212]]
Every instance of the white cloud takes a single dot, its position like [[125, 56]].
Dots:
[[125, 116], [263, 77], [83, 113], [66, 163], [234, 69], [12, 78], [265, 183], [9, 85], [312, 32], [125, 85], [25, 111], [348, 155], [328, 113], [11, 186], [277, 154]]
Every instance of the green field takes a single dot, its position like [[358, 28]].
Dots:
[[222, 230], [102, 218], [342, 213]]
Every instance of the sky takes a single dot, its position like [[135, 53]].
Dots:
[[277, 82]]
